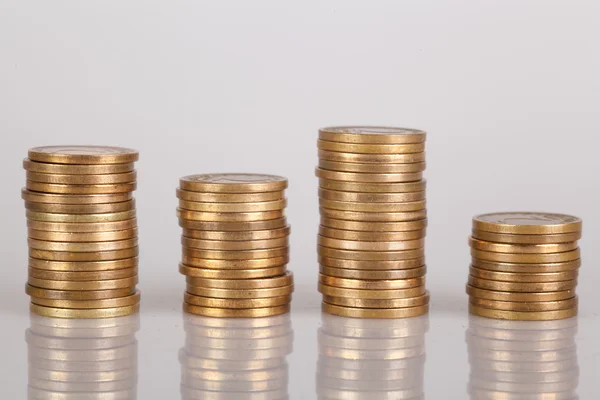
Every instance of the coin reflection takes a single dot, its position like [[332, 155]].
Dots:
[[82, 359], [235, 358], [371, 359], [522, 359]]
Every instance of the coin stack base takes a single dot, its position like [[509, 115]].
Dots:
[[524, 266], [235, 245], [82, 230], [373, 220]]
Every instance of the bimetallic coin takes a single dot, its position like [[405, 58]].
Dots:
[[203, 197], [527, 268], [35, 197], [233, 207], [370, 168], [80, 209], [233, 226], [78, 227], [238, 236], [372, 135], [525, 306], [362, 187], [234, 245], [55, 188], [362, 236], [233, 183], [236, 255], [373, 274], [526, 239], [77, 247], [78, 294], [372, 265], [371, 284], [236, 303], [371, 148], [371, 158], [526, 258], [84, 286], [91, 256], [234, 264], [522, 249], [370, 246], [373, 226], [84, 266], [529, 287], [368, 178], [83, 155], [236, 313], [83, 237], [83, 313], [373, 216], [357, 197], [522, 297], [378, 304], [80, 218], [372, 207], [82, 276], [527, 223], [231, 273], [371, 255], [523, 316], [371, 294], [89, 304], [74, 169], [242, 284], [104, 179], [240, 294], [524, 277], [375, 313]]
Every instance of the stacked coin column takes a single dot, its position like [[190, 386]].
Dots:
[[373, 219], [235, 245], [82, 231], [524, 266]]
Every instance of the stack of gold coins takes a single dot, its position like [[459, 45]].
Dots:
[[82, 231], [82, 359], [236, 358], [524, 266], [373, 219], [366, 360], [235, 245], [522, 359]]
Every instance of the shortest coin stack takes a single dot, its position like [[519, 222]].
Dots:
[[235, 245], [524, 266]]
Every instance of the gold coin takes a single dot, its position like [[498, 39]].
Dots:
[[83, 237], [371, 148], [371, 294], [236, 303], [372, 265], [373, 274], [525, 306], [243, 284], [236, 313], [82, 286], [371, 255], [236, 255], [526, 239], [78, 247], [375, 313], [268, 234], [370, 246], [83, 155], [80, 209], [407, 158], [65, 169], [234, 264], [369, 178], [83, 313], [522, 248], [371, 284], [527, 223], [229, 217], [524, 297], [35, 197], [234, 245], [526, 258], [78, 294], [374, 226], [529, 287], [83, 266], [207, 273], [202, 197], [370, 168], [92, 256], [82, 227], [233, 183], [523, 316], [361, 236], [82, 276], [233, 207], [404, 187], [527, 268], [357, 197], [380, 304], [55, 188], [372, 135], [524, 277], [104, 179], [80, 218], [372, 207], [240, 294], [89, 304], [233, 226], [373, 216]]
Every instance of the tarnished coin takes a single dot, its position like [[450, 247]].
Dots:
[[83, 155], [372, 265], [526, 258], [91, 256], [525, 306], [83, 199], [526, 239], [233, 183], [236, 255], [373, 226], [234, 245], [77, 247], [236, 313], [240, 294], [80, 189], [83, 237], [522, 248], [375, 313], [372, 158], [61, 179], [370, 246], [204, 197], [373, 207], [368, 178], [374, 216], [371, 294], [527, 268], [523, 316], [371, 284], [233, 226], [240, 236], [255, 273], [529, 287], [372, 134], [84, 285], [89, 304], [82, 276], [229, 217], [366, 197], [365, 236], [90, 266], [236, 303], [80, 218], [516, 296], [524, 277], [371, 255], [83, 313], [74, 169], [373, 274], [78, 294], [81, 208], [371, 168], [234, 264], [370, 148], [527, 223], [233, 207], [380, 304], [243, 284], [361, 187]]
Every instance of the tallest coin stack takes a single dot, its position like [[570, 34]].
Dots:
[[82, 231], [373, 220]]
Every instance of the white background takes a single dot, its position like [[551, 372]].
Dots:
[[508, 91]]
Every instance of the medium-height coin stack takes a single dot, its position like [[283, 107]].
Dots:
[[235, 245], [241, 359], [82, 231], [524, 266], [516, 360], [373, 219]]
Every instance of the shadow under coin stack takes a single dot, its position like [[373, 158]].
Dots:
[[524, 266], [235, 245], [82, 231], [373, 219], [237, 359]]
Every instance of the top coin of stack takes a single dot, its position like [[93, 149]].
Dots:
[[373, 220], [82, 229], [524, 266], [235, 245]]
